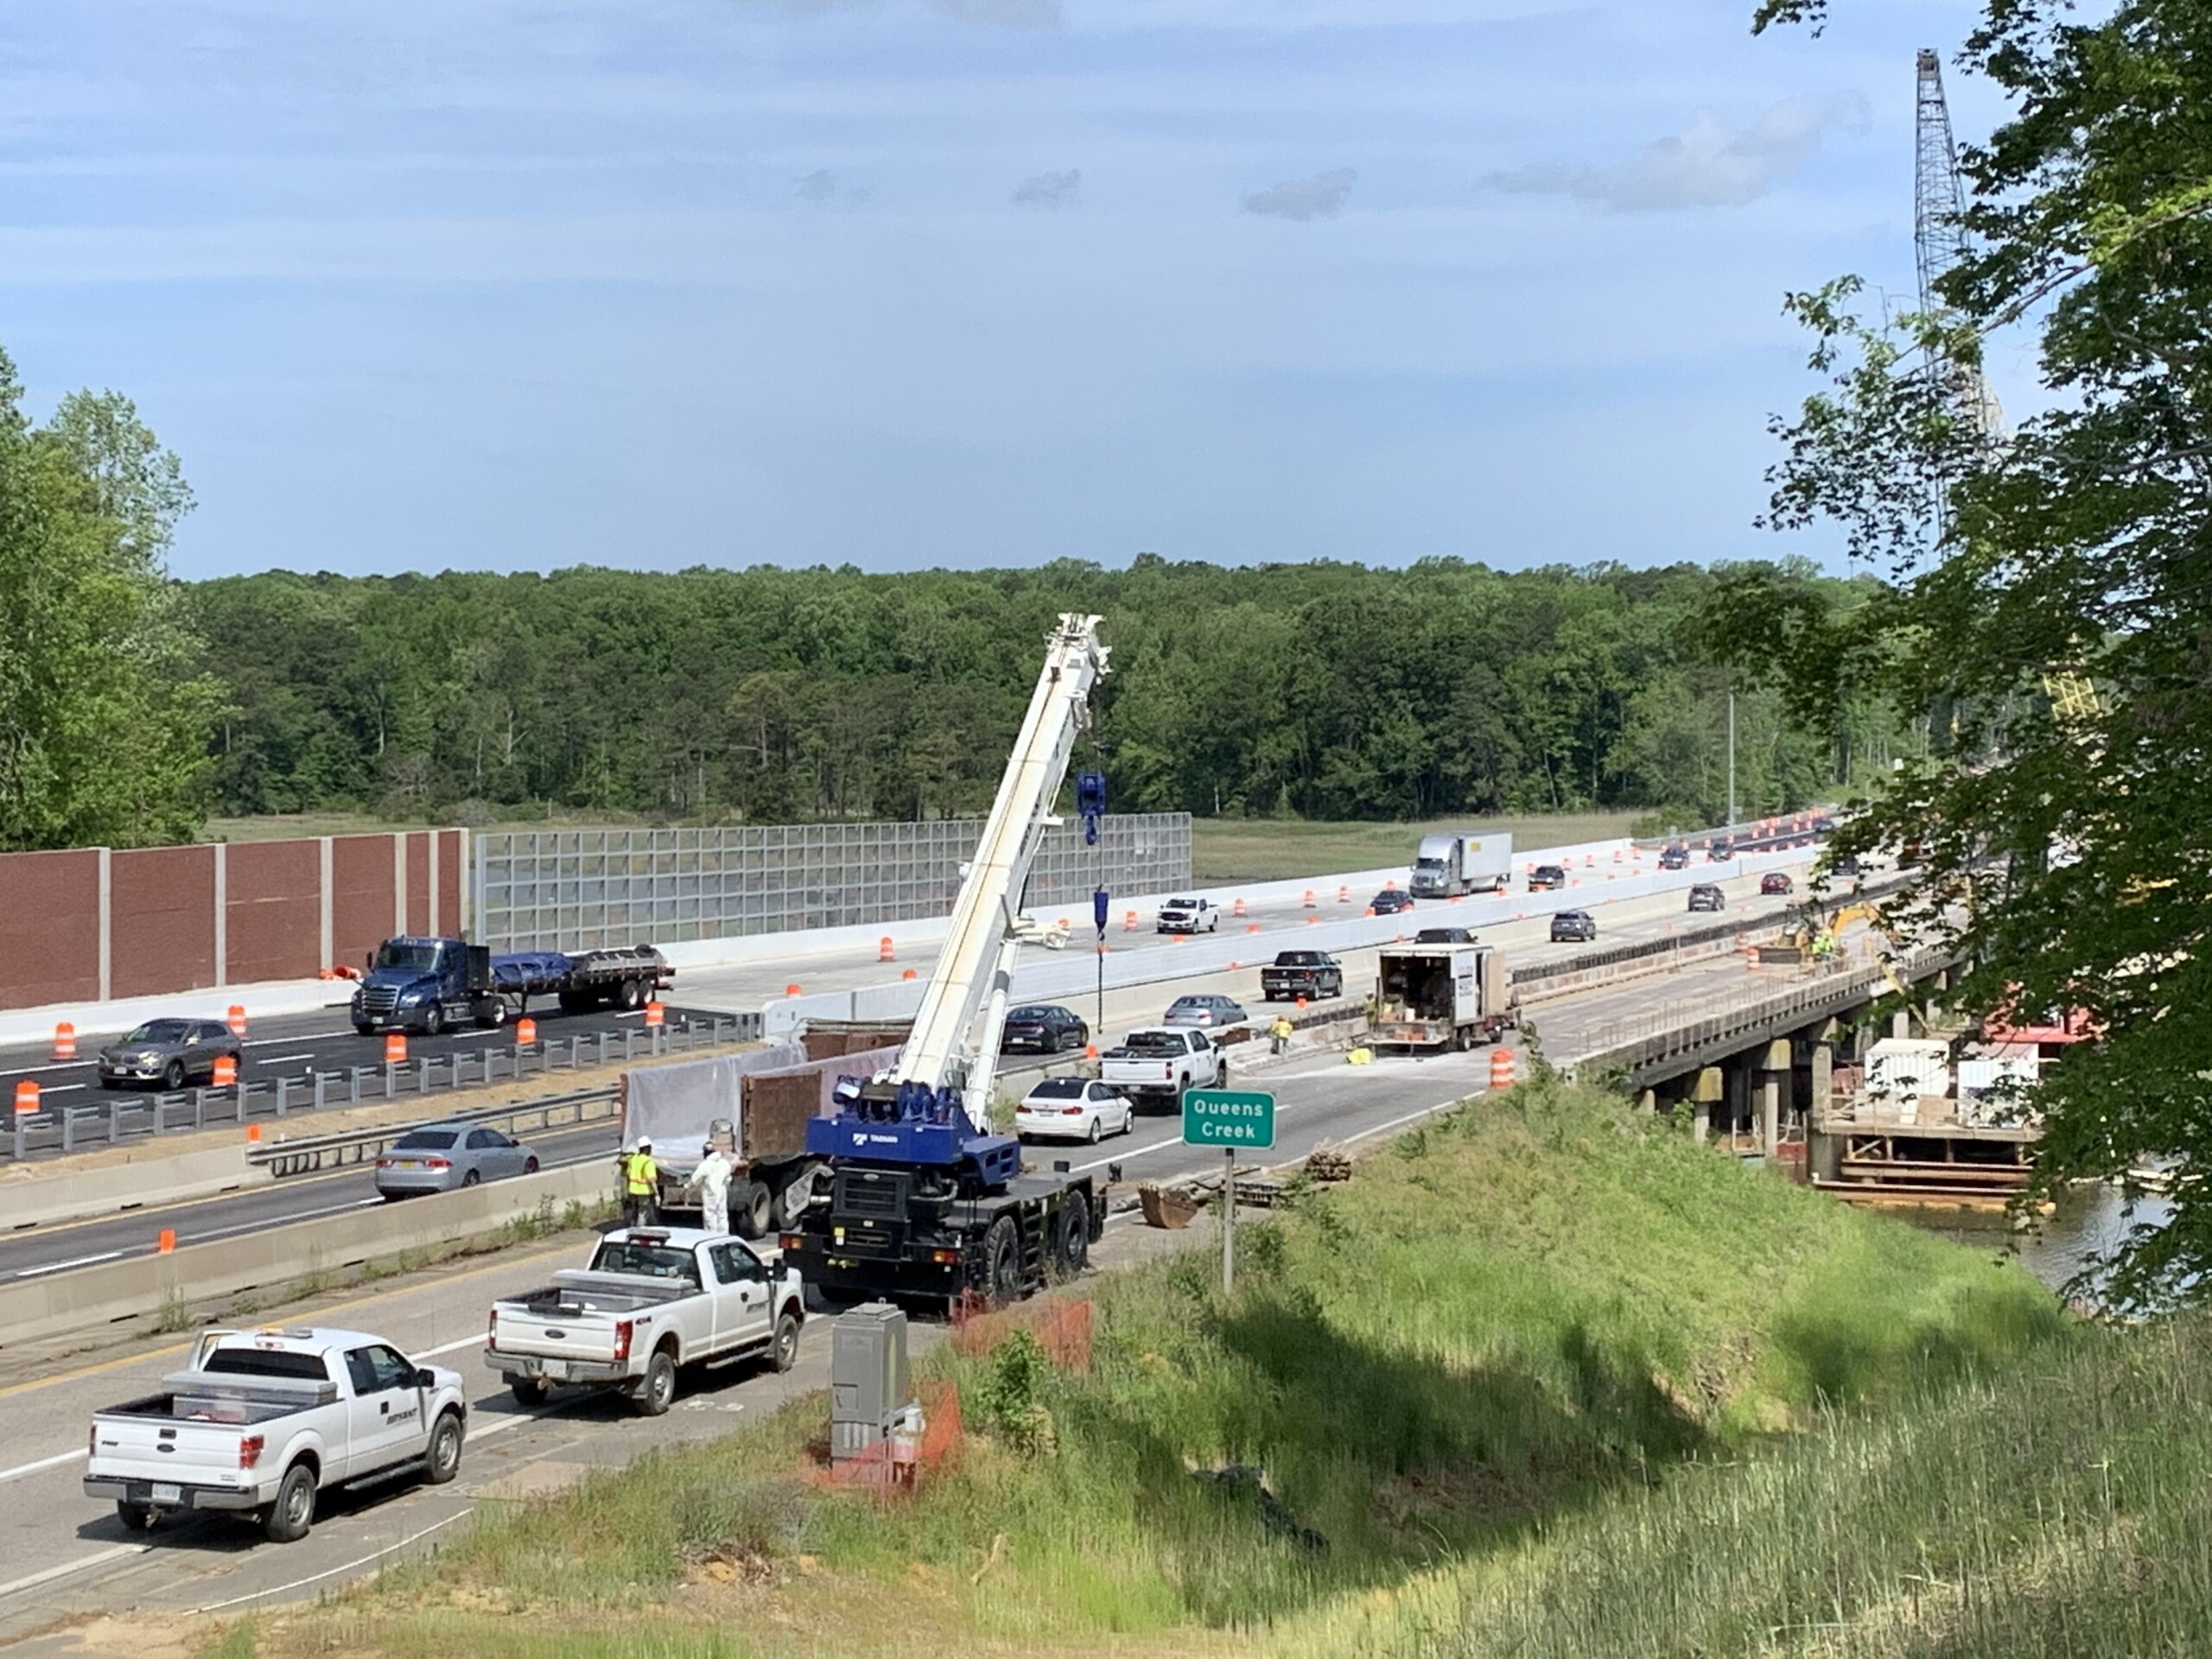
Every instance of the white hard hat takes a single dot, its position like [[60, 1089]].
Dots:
[[645, 1141]]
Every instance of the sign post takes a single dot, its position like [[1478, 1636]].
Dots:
[[1228, 1118]]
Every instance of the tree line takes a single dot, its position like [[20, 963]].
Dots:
[[767, 695]]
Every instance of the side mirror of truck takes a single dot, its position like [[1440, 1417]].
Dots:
[[425, 1377]]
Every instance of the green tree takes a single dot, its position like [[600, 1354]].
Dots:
[[2077, 839], [104, 710]]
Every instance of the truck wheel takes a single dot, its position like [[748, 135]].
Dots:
[[632, 995], [529, 1390], [752, 1208], [793, 1197], [433, 1022], [658, 1391], [139, 1517], [443, 1462], [1071, 1249], [286, 1520], [492, 1012], [1002, 1264], [783, 1353]]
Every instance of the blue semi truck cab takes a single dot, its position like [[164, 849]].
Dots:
[[421, 983]]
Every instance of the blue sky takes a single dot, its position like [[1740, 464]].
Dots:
[[491, 283]]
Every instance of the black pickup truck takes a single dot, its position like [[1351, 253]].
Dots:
[[1310, 974]]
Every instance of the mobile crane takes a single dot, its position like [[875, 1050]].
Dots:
[[923, 1201]]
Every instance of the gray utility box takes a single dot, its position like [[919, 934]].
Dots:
[[868, 1385]]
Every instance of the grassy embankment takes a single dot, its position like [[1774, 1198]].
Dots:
[[1539, 1380]]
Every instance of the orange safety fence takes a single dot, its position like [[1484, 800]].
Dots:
[[893, 1467], [1062, 1330]]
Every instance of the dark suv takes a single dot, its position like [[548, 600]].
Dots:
[[1575, 927], [1675, 858], [1706, 895], [1545, 877]]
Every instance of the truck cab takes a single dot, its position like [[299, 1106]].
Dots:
[[415, 982]]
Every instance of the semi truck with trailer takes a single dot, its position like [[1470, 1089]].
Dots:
[[1442, 997], [419, 983], [1447, 866], [923, 1200]]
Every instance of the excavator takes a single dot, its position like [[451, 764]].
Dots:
[[923, 1201]]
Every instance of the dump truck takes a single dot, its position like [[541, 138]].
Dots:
[[1442, 997]]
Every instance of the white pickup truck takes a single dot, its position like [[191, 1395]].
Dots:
[[653, 1299], [263, 1420], [1155, 1065]]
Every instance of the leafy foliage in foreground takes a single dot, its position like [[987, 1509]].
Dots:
[[104, 714], [2075, 555]]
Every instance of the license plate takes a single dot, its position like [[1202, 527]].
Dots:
[[409, 1163], [168, 1494], [556, 1368]]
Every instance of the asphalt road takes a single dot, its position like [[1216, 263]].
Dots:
[[298, 1046], [1149, 1152]]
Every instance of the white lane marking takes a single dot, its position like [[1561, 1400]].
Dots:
[[332, 1573], [57, 1089], [53, 1462], [283, 1059], [476, 1341], [500, 1425], [64, 1267], [82, 1564], [297, 1037]]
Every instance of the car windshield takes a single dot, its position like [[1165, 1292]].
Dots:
[[266, 1361], [160, 1031], [1057, 1089], [426, 1140], [1182, 904], [649, 1260], [414, 956], [1154, 1043]]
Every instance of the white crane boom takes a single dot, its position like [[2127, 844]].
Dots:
[[973, 971]]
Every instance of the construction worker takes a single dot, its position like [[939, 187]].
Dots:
[[640, 1185], [711, 1182], [1281, 1033]]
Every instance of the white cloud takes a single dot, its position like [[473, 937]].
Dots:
[[1704, 165], [1050, 190], [1319, 197]]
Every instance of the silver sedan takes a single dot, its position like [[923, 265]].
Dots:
[[443, 1157]]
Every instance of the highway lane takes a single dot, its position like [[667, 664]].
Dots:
[[298, 1046], [60, 1248]]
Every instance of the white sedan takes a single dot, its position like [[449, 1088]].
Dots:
[[1073, 1108]]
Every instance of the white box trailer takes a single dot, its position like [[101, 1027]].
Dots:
[[1445, 867], [1904, 1071], [1441, 996]]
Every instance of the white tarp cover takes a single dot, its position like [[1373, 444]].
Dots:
[[673, 1105]]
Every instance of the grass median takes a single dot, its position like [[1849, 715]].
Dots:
[[1531, 1358]]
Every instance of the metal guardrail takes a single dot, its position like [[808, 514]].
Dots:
[[1673, 1031], [350, 1147], [70, 1128]]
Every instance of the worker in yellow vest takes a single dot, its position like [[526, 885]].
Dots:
[[641, 1186]]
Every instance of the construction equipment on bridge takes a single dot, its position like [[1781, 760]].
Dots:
[[924, 1199]]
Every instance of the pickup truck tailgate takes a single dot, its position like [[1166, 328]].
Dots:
[[581, 1334], [131, 1447]]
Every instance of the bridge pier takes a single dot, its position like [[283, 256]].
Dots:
[[1704, 1095], [1774, 1064]]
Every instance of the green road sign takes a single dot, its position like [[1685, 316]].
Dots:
[[1229, 1117]]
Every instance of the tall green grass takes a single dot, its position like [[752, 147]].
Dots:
[[1536, 1316], [2059, 1508]]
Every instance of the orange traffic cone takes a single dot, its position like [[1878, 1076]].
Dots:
[[65, 1041], [1501, 1068]]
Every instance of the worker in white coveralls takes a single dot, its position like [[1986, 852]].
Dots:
[[711, 1182]]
